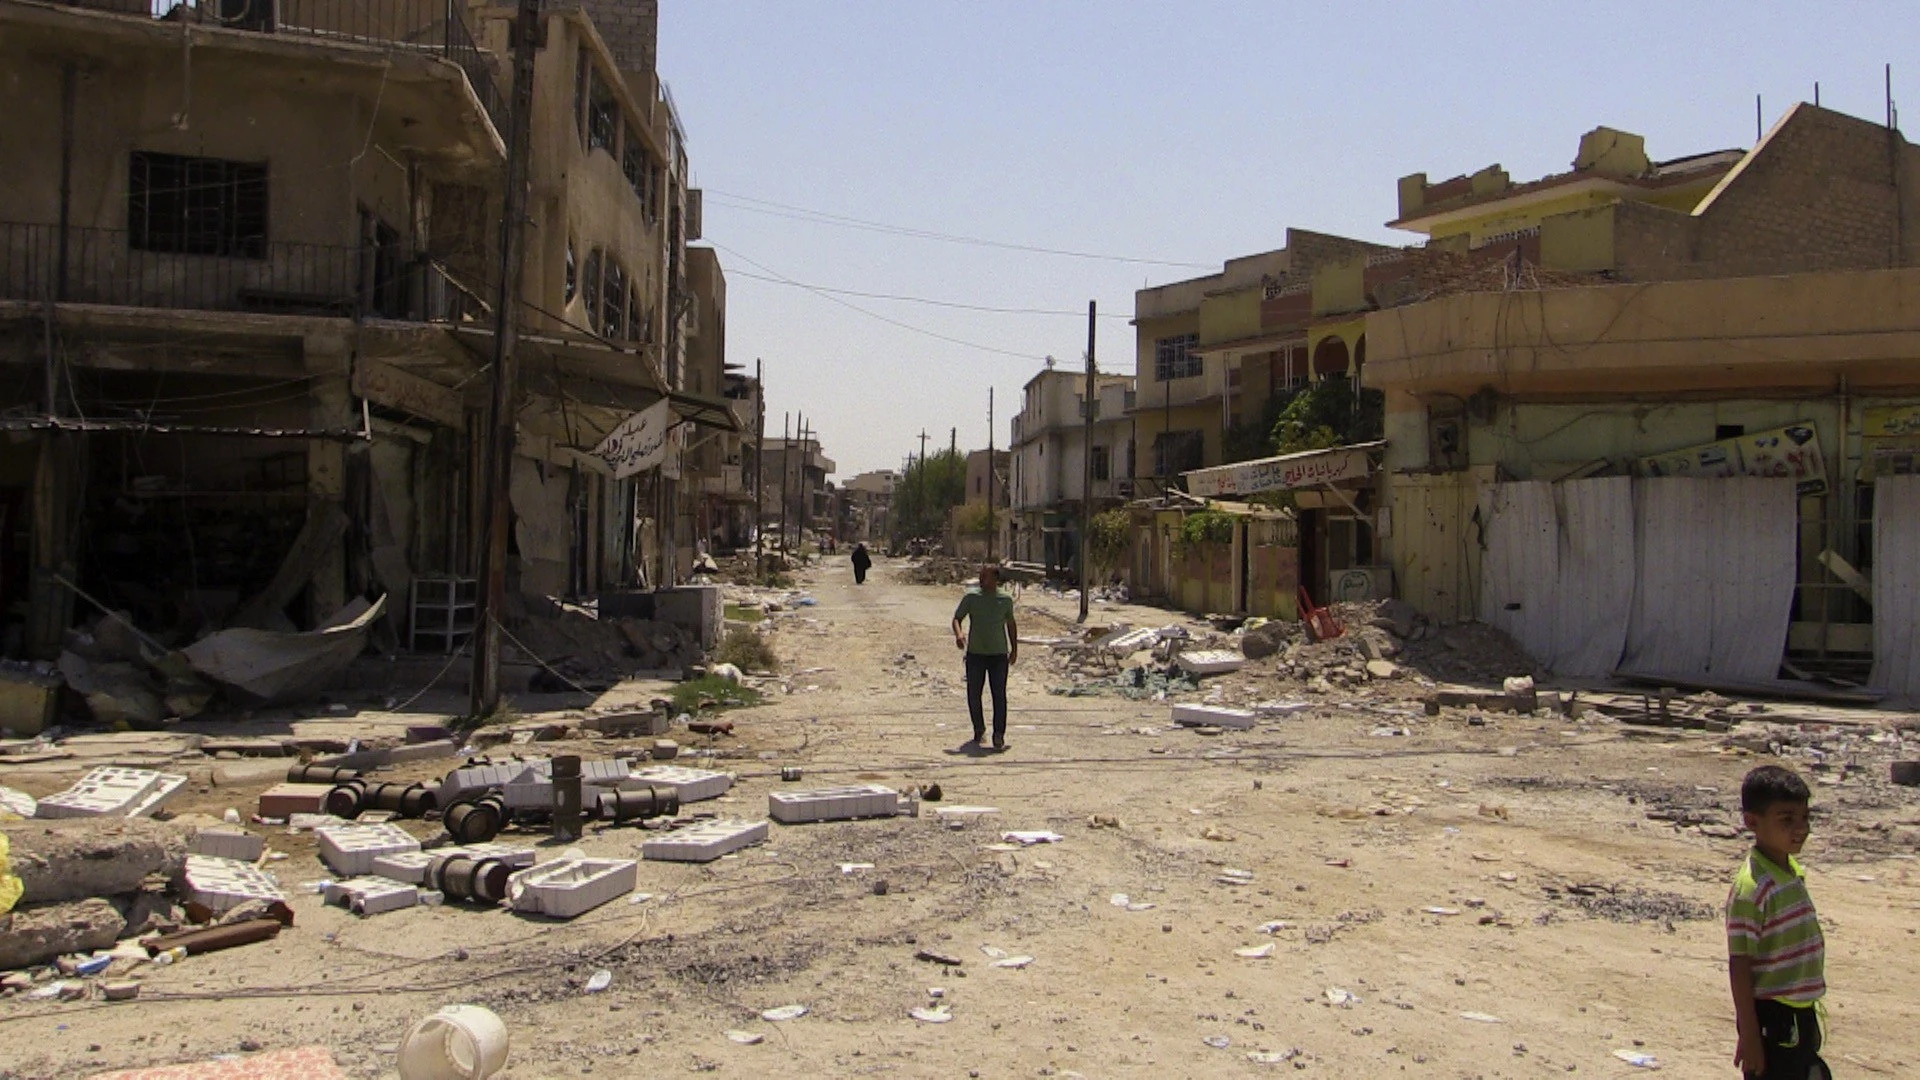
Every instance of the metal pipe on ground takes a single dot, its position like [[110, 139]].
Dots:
[[320, 774], [617, 807], [478, 821], [463, 877], [220, 937]]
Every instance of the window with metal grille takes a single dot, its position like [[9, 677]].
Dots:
[[1174, 358], [573, 273], [1102, 462], [197, 206]]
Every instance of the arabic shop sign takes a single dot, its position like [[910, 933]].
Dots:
[[639, 443], [1791, 453], [1278, 474]]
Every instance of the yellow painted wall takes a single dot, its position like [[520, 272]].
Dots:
[[1340, 286], [1230, 317], [1150, 421], [1581, 241]]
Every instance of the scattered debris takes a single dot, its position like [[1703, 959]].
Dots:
[[784, 1013], [746, 1038], [1256, 952], [467, 1042], [934, 1014]]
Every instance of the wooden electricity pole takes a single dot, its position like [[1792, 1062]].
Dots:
[[786, 470], [485, 690], [759, 461], [1086, 465], [989, 474]]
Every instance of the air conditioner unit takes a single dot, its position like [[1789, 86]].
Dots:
[[1123, 487]]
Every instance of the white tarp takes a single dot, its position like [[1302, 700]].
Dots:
[[269, 665], [1558, 571], [1715, 578], [1896, 587], [640, 442]]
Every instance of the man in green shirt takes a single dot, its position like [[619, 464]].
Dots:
[[991, 640]]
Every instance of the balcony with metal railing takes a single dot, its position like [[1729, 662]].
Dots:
[[435, 28], [104, 266]]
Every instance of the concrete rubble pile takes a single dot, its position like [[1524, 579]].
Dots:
[[598, 652], [941, 570]]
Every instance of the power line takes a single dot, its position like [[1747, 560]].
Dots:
[[824, 295], [918, 299], [822, 217]]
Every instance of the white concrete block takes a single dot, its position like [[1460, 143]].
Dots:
[[409, 866], [349, 850], [224, 884], [475, 780], [693, 785], [570, 887], [111, 790], [704, 841], [1196, 715], [371, 895], [1210, 661], [228, 843], [833, 804], [529, 794], [513, 855]]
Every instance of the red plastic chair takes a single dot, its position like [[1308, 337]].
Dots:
[[1321, 625]]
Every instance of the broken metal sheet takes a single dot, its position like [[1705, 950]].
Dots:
[[269, 666], [1521, 566], [1594, 590], [1896, 587], [1715, 581]]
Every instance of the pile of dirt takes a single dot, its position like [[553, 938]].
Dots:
[[1384, 639]]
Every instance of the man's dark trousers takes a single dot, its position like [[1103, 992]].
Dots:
[[990, 670]]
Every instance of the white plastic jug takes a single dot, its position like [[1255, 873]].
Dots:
[[460, 1042]]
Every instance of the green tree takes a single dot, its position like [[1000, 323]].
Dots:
[[1112, 533], [1328, 413], [921, 500]]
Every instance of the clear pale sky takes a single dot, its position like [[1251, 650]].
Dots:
[[1190, 131]]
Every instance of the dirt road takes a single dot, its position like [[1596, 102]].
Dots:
[[1456, 901]]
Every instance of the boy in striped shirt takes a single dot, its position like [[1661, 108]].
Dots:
[[1776, 956]]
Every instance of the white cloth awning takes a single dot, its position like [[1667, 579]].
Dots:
[[1309, 468]]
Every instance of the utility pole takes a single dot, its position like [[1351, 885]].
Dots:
[[759, 460], [806, 493], [920, 482], [989, 474], [485, 690], [786, 448], [1086, 465]]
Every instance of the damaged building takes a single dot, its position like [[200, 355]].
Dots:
[[248, 265]]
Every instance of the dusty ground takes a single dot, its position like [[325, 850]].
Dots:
[[1582, 928]]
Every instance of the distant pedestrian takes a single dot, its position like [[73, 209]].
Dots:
[[991, 640], [861, 561], [1776, 955]]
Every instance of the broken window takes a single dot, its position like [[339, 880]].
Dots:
[[603, 116], [573, 273], [197, 206], [582, 87], [1174, 358], [613, 300], [590, 284], [637, 327], [638, 167], [1178, 451]]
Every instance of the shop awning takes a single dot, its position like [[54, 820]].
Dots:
[[1309, 468]]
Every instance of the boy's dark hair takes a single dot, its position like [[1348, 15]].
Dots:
[[1770, 784]]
